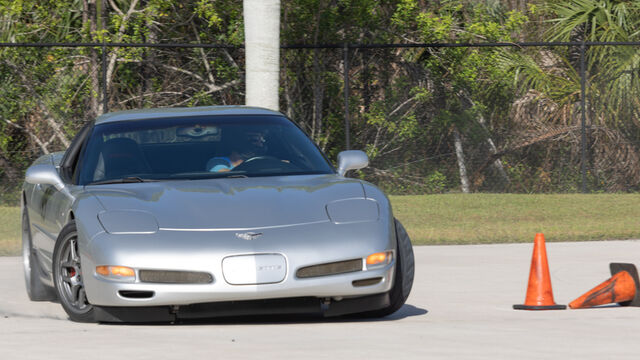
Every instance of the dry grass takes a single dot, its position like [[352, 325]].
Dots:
[[504, 218], [478, 218], [9, 230]]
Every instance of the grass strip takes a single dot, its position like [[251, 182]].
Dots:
[[511, 218], [477, 218], [9, 230]]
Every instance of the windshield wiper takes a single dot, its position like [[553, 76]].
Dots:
[[206, 175], [124, 180]]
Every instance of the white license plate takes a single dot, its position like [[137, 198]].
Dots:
[[254, 269]]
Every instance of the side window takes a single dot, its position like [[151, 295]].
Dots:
[[71, 157], [74, 165]]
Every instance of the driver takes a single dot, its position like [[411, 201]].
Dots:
[[256, 143], [223, 163], [253, 145]]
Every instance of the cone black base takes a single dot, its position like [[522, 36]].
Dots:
[[631, 269], [546, 307]]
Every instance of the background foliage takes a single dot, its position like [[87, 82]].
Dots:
[[508, 117]]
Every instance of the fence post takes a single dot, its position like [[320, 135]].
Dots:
[[105, 99], [583, 125], [346, 96]]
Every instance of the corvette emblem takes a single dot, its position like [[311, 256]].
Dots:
[[248, 235]]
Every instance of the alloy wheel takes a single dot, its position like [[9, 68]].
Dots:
[[69, 279]]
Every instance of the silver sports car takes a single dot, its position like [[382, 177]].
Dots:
[[170, 214]]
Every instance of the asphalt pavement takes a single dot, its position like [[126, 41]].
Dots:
[[460, 308]]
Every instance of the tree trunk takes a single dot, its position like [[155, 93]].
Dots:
[[318, 86], [90, 18], [44, 109], [150, 63], [497, 164], [287, 90], [464, 179], [10, 173], [113, 54], [318, 95], [285, 78], [262, 51]]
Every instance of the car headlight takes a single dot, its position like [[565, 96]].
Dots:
[[379, 259], [119, 273], [353, 211], [124, 222]]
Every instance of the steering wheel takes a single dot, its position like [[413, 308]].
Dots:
[[256, 162], [259, 158]]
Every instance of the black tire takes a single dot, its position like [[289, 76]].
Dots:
[[403, 280], [67, 276], [36, 289]]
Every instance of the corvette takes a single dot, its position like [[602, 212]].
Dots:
[[170, 214]]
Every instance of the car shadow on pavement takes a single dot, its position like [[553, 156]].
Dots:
[[405, 311]]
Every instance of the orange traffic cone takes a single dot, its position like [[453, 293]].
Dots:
[[539, 292], [621, 288]]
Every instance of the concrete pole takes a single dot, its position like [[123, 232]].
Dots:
[[262, 52]]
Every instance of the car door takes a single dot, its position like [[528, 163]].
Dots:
[[45, 232], [37, 204], [55, 205]]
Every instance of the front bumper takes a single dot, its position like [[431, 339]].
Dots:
[[204, 252], [110, 293], [302, 305]]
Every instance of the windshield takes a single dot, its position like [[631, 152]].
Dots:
[[198, 147]]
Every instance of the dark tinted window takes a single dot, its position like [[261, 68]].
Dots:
[[199, 147], [71, 156]]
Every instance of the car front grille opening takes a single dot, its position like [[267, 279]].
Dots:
[[334, 268], [136, 294], [175, 277], [366, 282]]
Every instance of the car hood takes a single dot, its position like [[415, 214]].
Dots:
[[233, 204]]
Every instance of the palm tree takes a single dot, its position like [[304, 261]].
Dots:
[[549, 107]]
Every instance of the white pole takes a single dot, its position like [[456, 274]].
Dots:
[[262, 52]]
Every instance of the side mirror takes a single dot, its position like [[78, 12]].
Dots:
[[351, 160], [44, 174]]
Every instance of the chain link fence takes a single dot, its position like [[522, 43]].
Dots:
[[434, 118]]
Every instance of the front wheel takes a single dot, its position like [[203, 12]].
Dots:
[[68, 276], [404, 272]]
